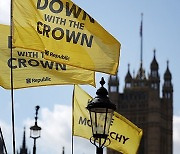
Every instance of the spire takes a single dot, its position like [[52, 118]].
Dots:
[[63, 152], [154, 79], [154, 75], [128, 75], [23, 149], [154, 64], [167, 74], [128, 78], [24, 139], [167, 86]]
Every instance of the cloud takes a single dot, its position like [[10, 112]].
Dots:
[[4, 11], [56, 132], [6, 131], [176, 134], [56, 128]]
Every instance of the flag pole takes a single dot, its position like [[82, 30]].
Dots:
[[11, 76], [141, 35], [72, 142]]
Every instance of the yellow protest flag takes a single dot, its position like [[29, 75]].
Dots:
[[81, 123], [30, 69], [125, 137], [66, 33]]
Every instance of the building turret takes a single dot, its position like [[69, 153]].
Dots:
[[154, 78], [113, 88], [141, 74], [128, 79], [168, 106], [140, 79], [154, 64], [167, 86], [113, 83]]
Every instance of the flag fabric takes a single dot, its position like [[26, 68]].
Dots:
[[125, 137], [141, 26], [65, 33], [141, 30], [30, 69]]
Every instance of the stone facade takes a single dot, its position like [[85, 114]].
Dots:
[[142, 104]]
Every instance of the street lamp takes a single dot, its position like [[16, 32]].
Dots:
[[35, 131], [101, 110]]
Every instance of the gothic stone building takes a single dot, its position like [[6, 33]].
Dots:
[[142, 104], [23, 149]]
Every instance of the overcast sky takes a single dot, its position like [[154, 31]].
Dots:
[[161, 30]]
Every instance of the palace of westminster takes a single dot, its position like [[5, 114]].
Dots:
[[140, 102]]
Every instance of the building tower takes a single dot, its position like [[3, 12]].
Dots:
[[128, 78], [154, 78], [23, 149], [140, 102], [168, 109]]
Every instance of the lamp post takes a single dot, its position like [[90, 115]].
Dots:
[[101, 110], [35, 131]]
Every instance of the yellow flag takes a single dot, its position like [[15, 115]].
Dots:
[[30, 69], [125, 137], [66, 33]]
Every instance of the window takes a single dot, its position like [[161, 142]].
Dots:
[[128, 85], [154, 73], [167, 83], [167, 95], [113, 89], [154, 86]]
